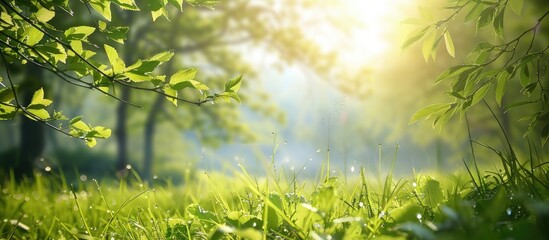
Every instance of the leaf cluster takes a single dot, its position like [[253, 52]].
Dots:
[[28, 37], [489, 67]]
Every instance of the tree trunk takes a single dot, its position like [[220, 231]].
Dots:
[[32, 136], [150, 126], [122, 132]]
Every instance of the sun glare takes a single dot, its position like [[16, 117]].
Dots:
[[366, 28], [379, 20]]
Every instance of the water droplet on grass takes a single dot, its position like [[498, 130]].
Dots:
[[382, 214], [418, 216], [83, 178], [509, 211], [47, 169], [128, 166], [352, 168], [318, 150]]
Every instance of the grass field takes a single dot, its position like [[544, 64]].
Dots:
[[510, 203]]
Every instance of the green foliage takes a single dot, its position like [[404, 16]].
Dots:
[[30, 36], [489, 67], [239, 207]]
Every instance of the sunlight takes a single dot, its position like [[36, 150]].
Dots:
[[366, 29], [379, 20]]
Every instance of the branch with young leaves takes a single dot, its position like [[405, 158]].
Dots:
[[488, 66], [27, 37]]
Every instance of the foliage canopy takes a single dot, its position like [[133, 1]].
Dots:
[[87, 57], [489, 66]]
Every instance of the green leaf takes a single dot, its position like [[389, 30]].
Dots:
[[233, 85], [79, 125], [524, 76], [498, 23], [99, 132], [6, 18], [475, 12], [53, 51], [137, 77], [432, 192], [162, 57], [517, 104], [41, 114], [170, 92], [38, 99], [480, 93], [44, 15], [6, 95], [90, 142], [79, 33], [34, 35], [480, 53], [516, 6], [503, 77], [415, 36], [103, 7], [526, 59], [427, 48], [117, 63], [190, 84], [273, 220], [449, 44], [228, 95], [178, 4], [127, 4], [117, 34], [455, 71], [429, 111], [485, 17], [183, 75], [202, 214], [7, 112], [157, 8]]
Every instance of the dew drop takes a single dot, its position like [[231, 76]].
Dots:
[[155, 177], [509, 211], [128, 166], [382, 214], [352, 168], [318, 150], [47, 169], [83, 178], [418, 216]]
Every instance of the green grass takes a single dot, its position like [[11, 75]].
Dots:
[[470, 204]]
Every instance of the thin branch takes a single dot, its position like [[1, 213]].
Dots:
[[27, 113]]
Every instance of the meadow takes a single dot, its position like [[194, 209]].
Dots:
[[509, 203]]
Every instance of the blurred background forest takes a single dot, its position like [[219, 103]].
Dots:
[[317, 76]]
